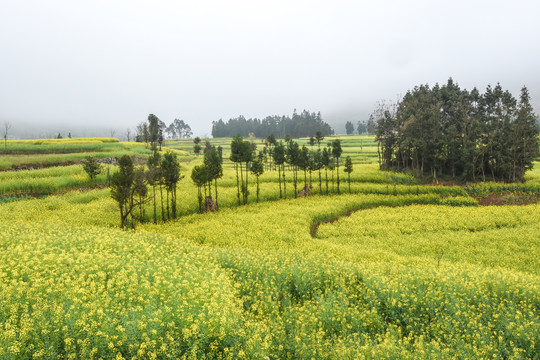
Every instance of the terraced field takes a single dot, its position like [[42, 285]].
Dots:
[[396, 269]]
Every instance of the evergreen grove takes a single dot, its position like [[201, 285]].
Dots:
[[298, 125], [449, 131]]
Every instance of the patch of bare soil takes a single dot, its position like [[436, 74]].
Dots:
[[512, 198]]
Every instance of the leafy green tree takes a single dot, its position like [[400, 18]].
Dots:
[[141, 133], [160, 138], [200, 178], [317, 165], [241, 152], [349, 128], [525, 137], [153, 130], [207, 147], [293, 157], [153, 176], [271, 143], [303, 162], [319, 137], [170, 168], [325, 161], [257, 169], [348, 169], [279, 160], [91, 166], [247, 157], [121, 188], [212, 162], [140, 190], [236, 158], [336, 153], [361, 127], [220, 153], [372, 125]]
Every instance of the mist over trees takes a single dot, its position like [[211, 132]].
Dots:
[[451, 131], [298, 125]]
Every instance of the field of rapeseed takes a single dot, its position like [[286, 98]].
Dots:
[[394, 270]]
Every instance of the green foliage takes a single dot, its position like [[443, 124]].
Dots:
[[349, 128], [121, 188], [297, 125], [91, 167], [449, 131], [348, 165]]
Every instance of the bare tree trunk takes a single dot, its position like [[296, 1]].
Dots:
[[279, 181], [337, 170], [162, 208], [326, 170], [284, 182], [257, 189], [242, 182], [215, 188], [237, 184], [155, 211], [320, 182], [168, 213], [247, 191]]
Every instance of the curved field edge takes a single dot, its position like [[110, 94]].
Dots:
[[288, 295]]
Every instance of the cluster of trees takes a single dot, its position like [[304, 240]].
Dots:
[[286, 156], [153, 131], [178, 129], [203, 175], [150, 132], [362, 127], [129, 187], [297, 125], [454, 132]]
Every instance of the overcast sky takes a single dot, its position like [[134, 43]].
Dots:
[[108, 64]]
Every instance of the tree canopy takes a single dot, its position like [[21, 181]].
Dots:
[[298, 125], [451, 131]]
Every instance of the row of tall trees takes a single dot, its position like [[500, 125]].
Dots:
[[129, 187], [463, 134], [298, 125], [286, 157]]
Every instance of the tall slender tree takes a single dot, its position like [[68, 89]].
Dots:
[[121, 188], [279, 160], [348, 169], [257, 169], [153, 176], [5, 133], [170, 168], [212, 162], [336, 153]]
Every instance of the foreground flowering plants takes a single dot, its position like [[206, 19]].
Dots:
[[406, 276]]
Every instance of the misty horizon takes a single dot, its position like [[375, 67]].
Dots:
[[95, 67]]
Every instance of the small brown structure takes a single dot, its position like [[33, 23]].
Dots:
[[306, 191], [209, 205]]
